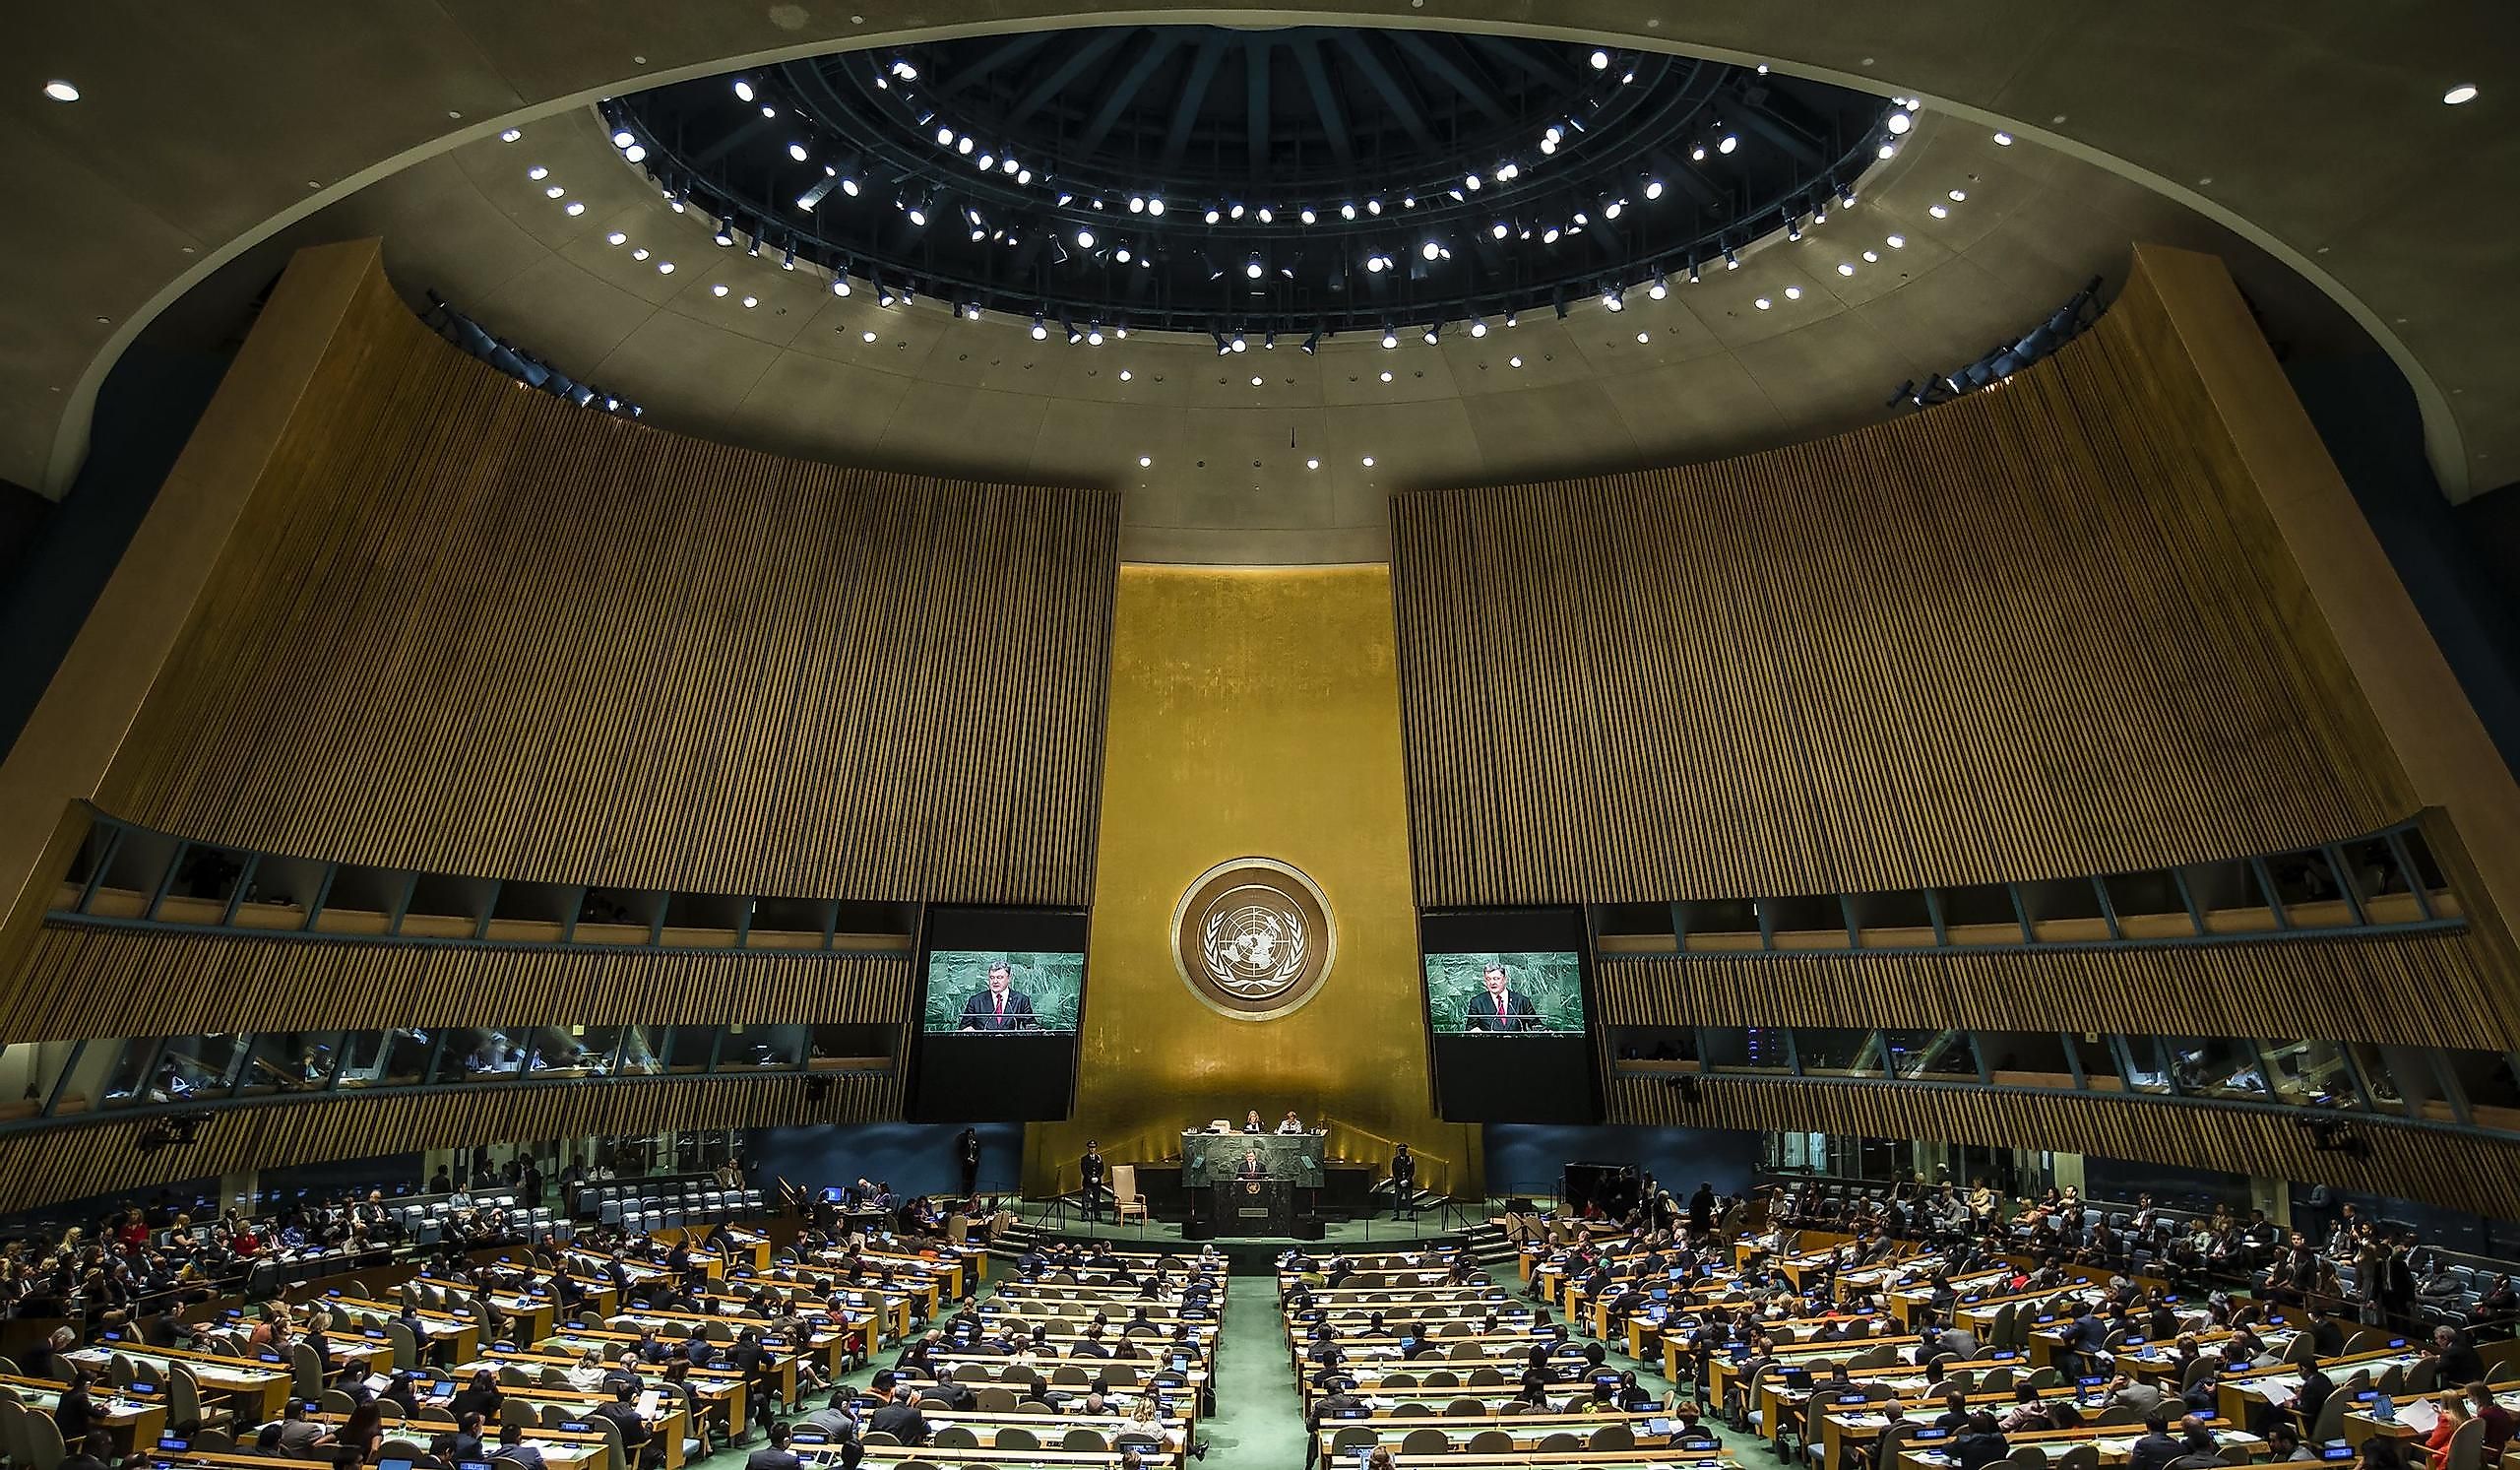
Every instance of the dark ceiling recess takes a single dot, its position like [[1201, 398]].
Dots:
[[1306, 180]]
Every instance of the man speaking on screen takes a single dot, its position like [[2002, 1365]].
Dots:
[[999, 1006], [1499, 1006]]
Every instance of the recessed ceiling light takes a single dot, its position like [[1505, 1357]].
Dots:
[[555, 192], [868, 335], [63, 92], [1144, 460], [1939, 213], [1644, 337], [1898, 242], [1312, 464], [576, 208], [1959, 195], [1255, 382], [1793, 293], [1513, 362], [640, 253], [718, 289], [2003, 140], [1369, 462], [664, 268], [1763, 303], [538, 173], [1125, 375], [616, 238], [751, 302], [2463, 93], [1386, 376]]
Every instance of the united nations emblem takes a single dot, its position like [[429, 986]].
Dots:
[[1253, 939]]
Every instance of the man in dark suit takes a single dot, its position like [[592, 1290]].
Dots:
[[901, 1418], [1092, 1169], [999, 1006], [966, 1152], [1404, 1181], [1252, 1168], [1499, 1006]]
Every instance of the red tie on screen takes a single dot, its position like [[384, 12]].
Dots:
[[1500, 1005], [1001, 1007]]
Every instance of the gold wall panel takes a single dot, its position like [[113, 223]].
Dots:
[[86, 980], [2035, 632], [2340, 988], [1253, 714], [463, 627]]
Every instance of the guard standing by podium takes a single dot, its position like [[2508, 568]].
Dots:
[[1092, 1169], [1404, 1183]]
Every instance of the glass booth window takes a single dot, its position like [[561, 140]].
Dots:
[[385, 1059], [130, 1072], [201, 1066], [1755, 1050], [1835, 1052], [2217, 1067], [766, 1049], [2309, 1074], [289, 1061], [1918, 1056]]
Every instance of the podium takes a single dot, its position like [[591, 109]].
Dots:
[[1251, 1207]]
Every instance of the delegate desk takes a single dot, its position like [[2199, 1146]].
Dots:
[[821, 1456], [1389, 1427], [2115, 1443], [137, 1420], [2360, 1425], [443, 1336], [719, 1387], [673, 1423], [2236, 1394], [259, 1389]]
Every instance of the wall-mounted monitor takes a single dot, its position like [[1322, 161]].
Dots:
[[1001, 996], [1508, 998]]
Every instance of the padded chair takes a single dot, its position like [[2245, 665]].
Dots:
[[954, 1436], [1492, 1441], [515, 1410], [1425, 1442], [397, 1449], [1094, 1441], [1400, 1381], [1560, 1442], [873, 1438], [2028, 1457], [1465, 1408], [994, 1400], [1442, 1377], [1124, 1192], [1016, 1437], [1612, 1437], [45, 1452], [335, 1401], [2079, 1457], [1485, 1377], [13, 1429], [213, 1441]]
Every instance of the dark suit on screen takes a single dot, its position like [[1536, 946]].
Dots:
[[980, 1013], [1253, 1166], [1520, 1014]]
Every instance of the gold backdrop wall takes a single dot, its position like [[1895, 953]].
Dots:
[[1252, 714]]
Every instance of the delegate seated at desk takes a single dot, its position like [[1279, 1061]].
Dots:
[[1289, 1124], [1499, 1006], [999, 1006]]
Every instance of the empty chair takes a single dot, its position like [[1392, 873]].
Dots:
[[2080, 1457], [954, 1436], [1560, 1442], [1092, 1441], [1492, 1441], [1485, 1377], [1612, 1437], [1428, 1441], [2028, 1457], [1017, 1437], [1442, 1377], [1465, 1408]]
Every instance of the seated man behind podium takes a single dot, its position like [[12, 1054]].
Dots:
[[1290, 1124], [1499, 1006], [999, 1006], [1252, 1167]]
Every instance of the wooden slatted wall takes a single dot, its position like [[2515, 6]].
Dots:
[[2030, 633], [2341, 990], [471, 628], [75, 1162], [88, 982], [2462, 1171]]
